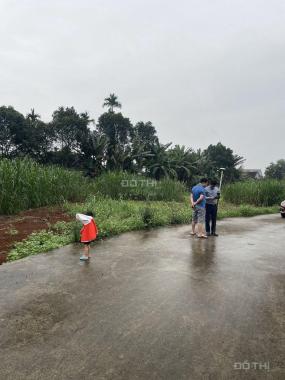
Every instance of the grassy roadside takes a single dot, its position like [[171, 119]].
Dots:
[[117, 216], [228, 210]]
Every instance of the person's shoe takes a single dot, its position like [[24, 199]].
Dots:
[[214, 234], [84, 258], [208, 234]]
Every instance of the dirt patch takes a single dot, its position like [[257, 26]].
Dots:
[[15, 228]]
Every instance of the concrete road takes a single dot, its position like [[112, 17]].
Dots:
[[156, 304]]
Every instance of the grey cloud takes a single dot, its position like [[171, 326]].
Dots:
[[202, 71]]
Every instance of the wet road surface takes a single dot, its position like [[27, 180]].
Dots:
[[156, 304]]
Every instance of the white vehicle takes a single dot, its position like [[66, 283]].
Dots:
[[282, 209]]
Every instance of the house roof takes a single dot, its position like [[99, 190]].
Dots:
[[253, 173]]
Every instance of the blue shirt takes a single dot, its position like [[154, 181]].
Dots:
[[197, 191]]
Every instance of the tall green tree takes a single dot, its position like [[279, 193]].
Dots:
[[146, 134], [70, 128], [71, 132], [40, 138], [219, 156], [114, 144], [94, 150], [119, 132], [13, 132], [143, 140], [276, 170]]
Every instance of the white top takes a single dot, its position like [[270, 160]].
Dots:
[[85, 219], [283, 204]]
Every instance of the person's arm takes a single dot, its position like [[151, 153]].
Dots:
[[199, 199], [192, 200], [208, 197], [84, 219]]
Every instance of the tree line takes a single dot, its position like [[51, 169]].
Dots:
[[72, 139]]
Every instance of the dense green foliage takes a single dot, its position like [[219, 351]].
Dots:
[[227, 210], [276, 170], [258, 193], [115, 216], [124, 185], [219, 156], [26, 184], [43, 241], [73, 140]]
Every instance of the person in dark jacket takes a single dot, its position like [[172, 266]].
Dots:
[[212, 195]]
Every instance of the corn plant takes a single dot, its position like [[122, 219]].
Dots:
[[26, 184], [257, 193]]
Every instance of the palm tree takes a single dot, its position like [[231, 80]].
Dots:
[[95, 149], [183, 161], [161, 164], [32, 116], [120, 158], [112, 102], [141, 152]]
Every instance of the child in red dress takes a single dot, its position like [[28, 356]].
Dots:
[[88, 233]]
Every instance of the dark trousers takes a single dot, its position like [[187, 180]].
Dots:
[[211, 218]]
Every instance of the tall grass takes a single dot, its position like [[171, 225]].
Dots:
[[257, 193], [25, 184], [123, 185]]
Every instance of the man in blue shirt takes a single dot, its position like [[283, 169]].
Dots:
[[198, 203]]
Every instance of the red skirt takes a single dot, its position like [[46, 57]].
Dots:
[[88, 232]]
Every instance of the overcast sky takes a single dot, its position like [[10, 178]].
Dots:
[[202, 71]]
